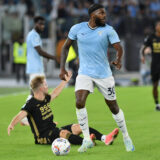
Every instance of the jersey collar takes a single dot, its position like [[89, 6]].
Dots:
[[91, 27]]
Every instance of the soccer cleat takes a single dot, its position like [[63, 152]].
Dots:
[[93, 138], [128, 144], [111, 136], [85, 145], [157, 108]]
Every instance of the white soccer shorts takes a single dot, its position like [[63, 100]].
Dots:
[[106, 86]]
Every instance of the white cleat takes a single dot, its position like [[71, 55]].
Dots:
[[128, 144], [85, 145]]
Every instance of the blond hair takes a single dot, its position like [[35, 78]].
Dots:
[[37, 82]]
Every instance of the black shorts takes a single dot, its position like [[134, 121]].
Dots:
[[155, 76], [48, 137], [155, 72], [52, 134]]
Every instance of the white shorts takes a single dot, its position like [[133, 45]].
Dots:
[[33, 75], [106, 86]]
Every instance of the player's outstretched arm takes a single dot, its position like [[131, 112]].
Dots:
[[60, 87], [143, 47], [16, 119], [44, 54], [64, 55], [144, 50], [119, 54]]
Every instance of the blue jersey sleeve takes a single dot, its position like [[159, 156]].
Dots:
[[113, 36], [35, 40], [73, 33]]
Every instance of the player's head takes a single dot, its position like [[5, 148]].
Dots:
[[157, 26], [97, 13], [39, 84], [21, 39], [39, 23]]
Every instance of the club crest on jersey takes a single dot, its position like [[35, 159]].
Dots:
[[100, 33]]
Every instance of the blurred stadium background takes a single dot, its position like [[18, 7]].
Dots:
[[132, 19]]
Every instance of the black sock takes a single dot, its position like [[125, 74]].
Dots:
[[156, 101], [74, 139], [97, 133]]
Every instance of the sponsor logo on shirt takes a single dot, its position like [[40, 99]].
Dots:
[[83, 34]]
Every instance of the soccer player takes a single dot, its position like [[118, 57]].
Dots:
[[93, 38], [35, 52], [34, 49], [153, 41], [40, 117]]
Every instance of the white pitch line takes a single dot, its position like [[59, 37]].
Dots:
[[13, 94]]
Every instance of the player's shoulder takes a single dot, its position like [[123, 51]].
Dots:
[[48, 97], [149, 37], [33, 33], [30, 101], [108, 27], [79, 25], [27, 104]]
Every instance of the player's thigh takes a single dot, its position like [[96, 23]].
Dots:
[[84, 82], [73, 128], [76, 129], [106, 87], [67, 127]]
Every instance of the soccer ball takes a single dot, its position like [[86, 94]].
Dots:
[[60, 146]]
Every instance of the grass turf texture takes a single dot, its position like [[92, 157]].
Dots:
[[137, 103]]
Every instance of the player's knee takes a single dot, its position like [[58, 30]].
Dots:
[[64, 134], [76, 129], [80, 103], [113, 106], [155, 85]]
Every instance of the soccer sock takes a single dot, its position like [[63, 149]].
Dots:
[[120, 120], [156, 102], [74, 139], [97, 133], [82, 117]]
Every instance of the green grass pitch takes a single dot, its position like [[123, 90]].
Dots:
[[137, 103]]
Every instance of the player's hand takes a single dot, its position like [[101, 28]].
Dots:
[[69, 76], [143, 60], [117, 64], [62, 74], [56, 58], [56, 123], [10, 127]]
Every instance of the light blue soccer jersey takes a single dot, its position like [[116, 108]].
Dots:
[[34, 60], [92, 48]]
